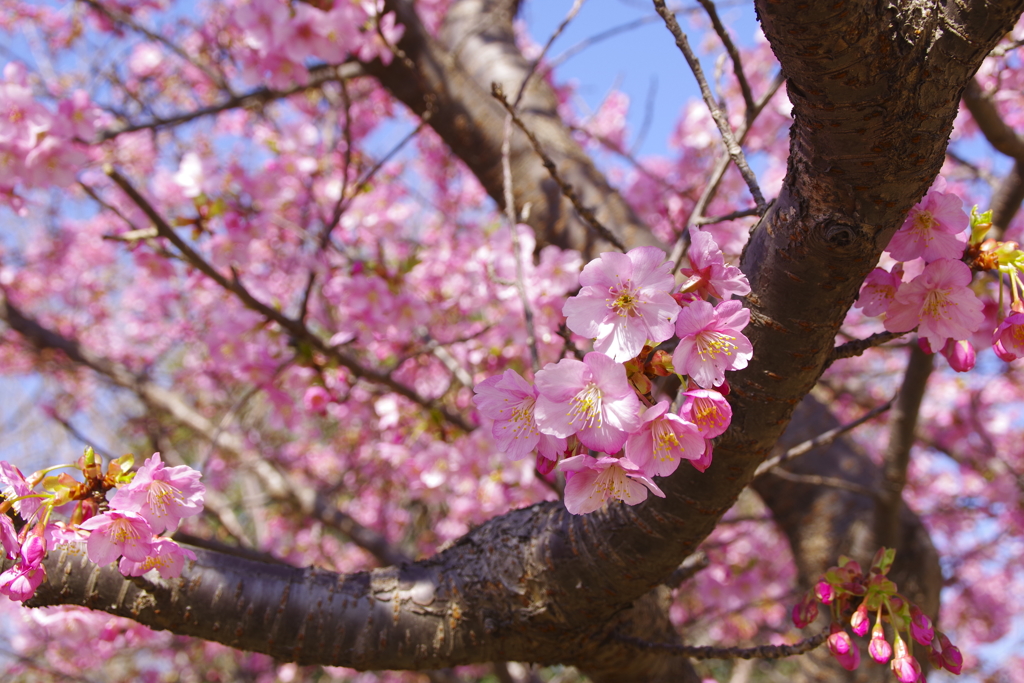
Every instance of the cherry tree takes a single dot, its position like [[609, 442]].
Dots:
[[426, 374]]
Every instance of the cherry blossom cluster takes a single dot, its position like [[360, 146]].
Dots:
[[856, 596], [596, 419], [145, 504], [278, 39], [935, 244], [40, 147]]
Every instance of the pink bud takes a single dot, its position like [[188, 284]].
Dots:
[[879, 647], [859, 621], [843, 649], [826, 594], [921, 626], [905, 667], [960, 355], [805, 611]]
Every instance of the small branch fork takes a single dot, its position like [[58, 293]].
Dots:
[[709, 652], [735, 151], [567, 191], [859, 346], [296, 327], [823, 439]]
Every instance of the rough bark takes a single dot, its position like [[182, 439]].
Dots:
[[875, 89]]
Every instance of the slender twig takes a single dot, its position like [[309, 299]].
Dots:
[[259, 96], [127, 20], [567, 190], [517, 252], [734, 54], [704, 220], [823, 439], [718, 173], [688, 569], [279, 486], [295, 327], [859, 346], [573, 11], [831, 482], [710, 652], [735, 151]]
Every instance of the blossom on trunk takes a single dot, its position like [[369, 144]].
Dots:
[[510, 400], [707, 409], [590, 398], [624, 302], [166, 556], [934, 229], [663, 440], [710, 341], [163, 496], [939, 303], [592, 481], [708, 275], [118, 532], [879, 290]]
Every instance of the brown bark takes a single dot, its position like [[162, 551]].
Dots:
[[875, 93]]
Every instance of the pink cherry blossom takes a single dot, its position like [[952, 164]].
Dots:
[[15, 486], [707, 409], [590, 398], [594, 481], [934, 229], [118, 532], [9, 537], [1008, 339], [843, 648], [163, 496], [663, 440], [166, 556], [708, 275], [20, 582], [624, 302], [938, 302], [510, 400], [879, 290], [710, 341], [702, 463]]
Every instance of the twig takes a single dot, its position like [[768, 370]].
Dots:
[[831, 482], [859, 346], [567, 191], [710, 652], [296, 327], [573, 11], [823, 439], [703, 220], [734, 54], [735, 151], [688, 569], [127, 20], [257, 97], [517, 255], [721, 166]]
